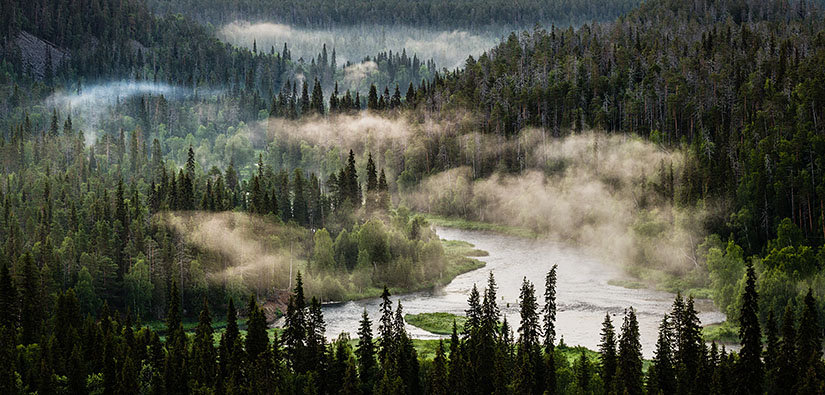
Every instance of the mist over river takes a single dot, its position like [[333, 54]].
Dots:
[[583, 294]]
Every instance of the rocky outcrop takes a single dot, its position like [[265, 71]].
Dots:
[[38, 55]]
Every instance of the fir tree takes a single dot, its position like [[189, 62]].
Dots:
[[31, 307], [787, 373], [662, 372], [257, 338], [750, 371], [608, 355], [295, 327], [438, 375], [365, 351], [629, 366]]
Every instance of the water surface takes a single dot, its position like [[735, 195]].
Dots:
[[583, 294]]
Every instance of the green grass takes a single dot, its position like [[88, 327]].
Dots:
[[461, 223], [630, 284], [459, 260], [438, 323], [725, 332]]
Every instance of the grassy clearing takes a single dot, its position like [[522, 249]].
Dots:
[[725, 332], [438, 323], [461, 223]]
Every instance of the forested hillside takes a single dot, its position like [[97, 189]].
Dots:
[[151, 171], [434, 14], [738, 85]]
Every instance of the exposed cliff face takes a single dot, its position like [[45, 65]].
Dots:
[[38, 55]]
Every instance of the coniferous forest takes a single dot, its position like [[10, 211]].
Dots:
[[181, 207]]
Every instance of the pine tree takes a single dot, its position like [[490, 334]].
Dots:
[[295, 327], [771, 355], [410, 96], [351, 384], [365, 351], [228, 364], [662, 372], [317, 104], [438, 375], [550, 309], [203, 351], [473, 313], [607, 351], [8, 299], [629, 366], [31, 306], [175, 372], [787, 371], [583, 373], [305, 103], [528, 352], [372, 99], [750, 371], [809, 338], [385, 328], [457, 364], [372, 176], [257, 339]]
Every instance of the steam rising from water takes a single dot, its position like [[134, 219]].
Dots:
[[600, 191], [448, 48]]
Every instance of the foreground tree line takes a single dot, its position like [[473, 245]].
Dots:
[[67, 353]]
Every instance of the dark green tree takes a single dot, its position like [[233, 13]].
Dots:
[[750, 371], [629, 366]]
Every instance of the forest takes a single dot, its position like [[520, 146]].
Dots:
[[169, 192]]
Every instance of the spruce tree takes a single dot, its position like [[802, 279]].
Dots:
[[809, 338], [257, 338], [8, 299], [771, 355], [629, 366], [31, 305], [550, 309], [438, 374], [351, 384], [365, 351], [787, 370], [203, 350], [662, 371], [607, 351], [385, 329], [295, 327], [372, 99], [175, 372], [750, 371], [528, 359]]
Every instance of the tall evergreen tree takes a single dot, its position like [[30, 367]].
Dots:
[[750, 371], [295, 327], [608, 355], [662, 373], [204, 356], [787, 370], [31, 321], [365, 351], [438, 374], [629, 366], [257, 338]]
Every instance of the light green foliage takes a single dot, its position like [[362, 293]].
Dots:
[[323, 251], [139, 287]]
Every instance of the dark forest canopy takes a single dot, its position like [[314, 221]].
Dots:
[[427, 13]]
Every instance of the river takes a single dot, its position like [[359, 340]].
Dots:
[[583, 294]]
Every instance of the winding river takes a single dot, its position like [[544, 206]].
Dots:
[[583, 294]]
